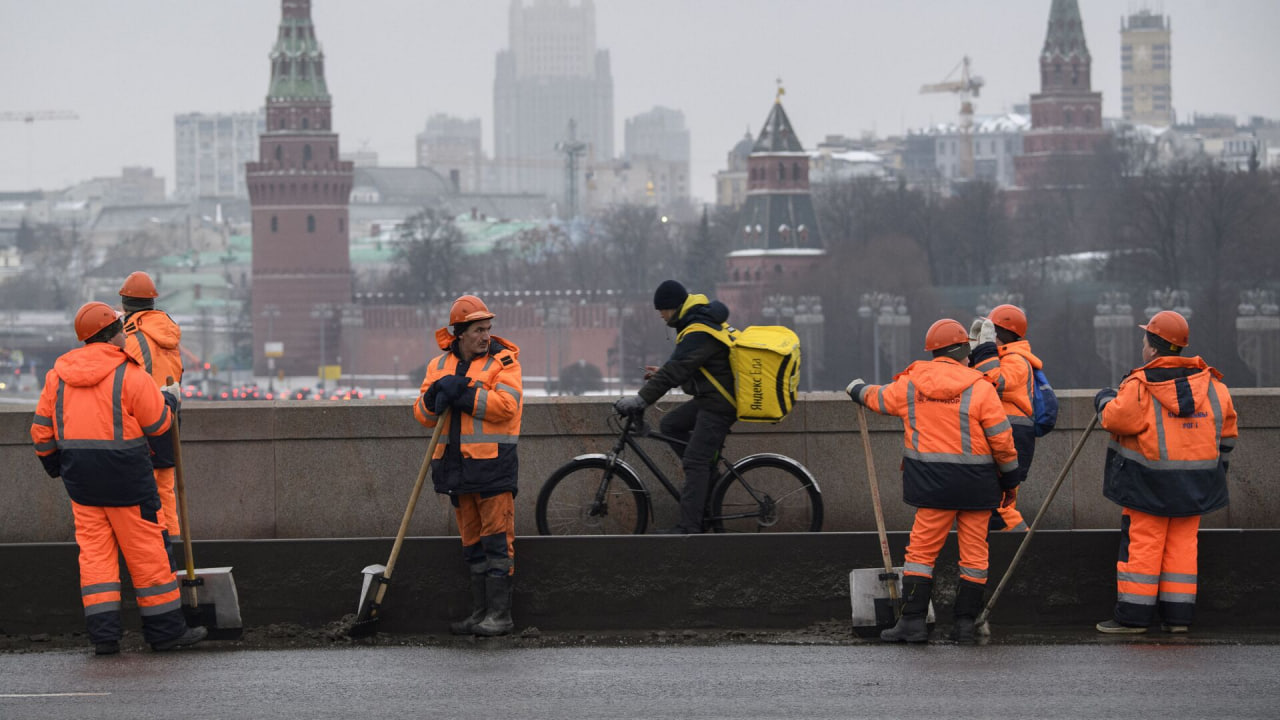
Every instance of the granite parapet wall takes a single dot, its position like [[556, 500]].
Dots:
[[285, 470]]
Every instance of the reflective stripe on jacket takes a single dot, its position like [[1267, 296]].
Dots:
[[96, 408], [1011, 370], [153, 340], [956, 439], [1172, 425], [477, 449]]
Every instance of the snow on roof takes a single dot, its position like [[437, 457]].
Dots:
[[985, 124], [855, 156]]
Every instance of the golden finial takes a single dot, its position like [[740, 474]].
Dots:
[[781, 91]]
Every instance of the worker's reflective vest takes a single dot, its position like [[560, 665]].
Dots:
[[91, 423], [1173, 426], [956, 439], [477, 449], [153, 340], [1011, 370]]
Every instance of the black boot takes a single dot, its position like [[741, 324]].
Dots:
[[968, 605], [478, 605], [911, 626], [498, 619]]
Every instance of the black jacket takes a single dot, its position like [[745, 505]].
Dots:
[[694, 351]]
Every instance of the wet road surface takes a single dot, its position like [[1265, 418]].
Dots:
[[497, 679]]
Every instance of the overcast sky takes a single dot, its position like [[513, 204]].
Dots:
[[126, 67]]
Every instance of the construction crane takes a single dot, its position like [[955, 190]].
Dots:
[[29, 118], [34, 115], [967, 87]]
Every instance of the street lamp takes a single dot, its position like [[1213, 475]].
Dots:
[[1113, 333], [1258, 333], [809, 316], [324, 313], [553, 315], [889, 311], [271, 312], [352, 322], [620, 315]]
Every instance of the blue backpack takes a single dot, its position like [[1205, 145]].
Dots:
[[1044, 404]]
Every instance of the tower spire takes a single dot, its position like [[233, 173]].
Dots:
[[1065, 37], [297, 61]]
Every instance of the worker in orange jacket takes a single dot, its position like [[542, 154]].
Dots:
[[1001, 352], [153, 340], [478, 382], [957, 453], [1173, 427], [92, 423]]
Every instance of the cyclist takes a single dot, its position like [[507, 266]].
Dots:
[[946, 407], [703, 421]]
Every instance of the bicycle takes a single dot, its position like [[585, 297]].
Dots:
[[600, 493]]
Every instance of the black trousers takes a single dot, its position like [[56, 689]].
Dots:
[[703, 424]]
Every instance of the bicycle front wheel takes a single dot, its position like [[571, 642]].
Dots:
[[587, 497], [766, 493]]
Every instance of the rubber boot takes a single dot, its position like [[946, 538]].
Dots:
[[191, 636], [479, 603], [968, 605], [911, 626], [498, 619]]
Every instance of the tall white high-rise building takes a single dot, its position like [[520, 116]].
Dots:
[[550, 74], [210, 150]]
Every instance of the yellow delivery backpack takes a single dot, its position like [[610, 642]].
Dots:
[[765, 360]]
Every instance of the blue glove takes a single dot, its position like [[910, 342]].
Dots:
[[630, 406], [447, 391], [1104, 396]]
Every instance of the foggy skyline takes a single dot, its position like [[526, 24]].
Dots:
[[127, 67]]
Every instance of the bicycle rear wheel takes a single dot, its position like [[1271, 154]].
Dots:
[[586, 497], [768, 493]]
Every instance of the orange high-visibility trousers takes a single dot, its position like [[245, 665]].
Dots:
[[1008, 519], [488, 529], [929, 532], [104, 533], [1157, 568], [168, 500]]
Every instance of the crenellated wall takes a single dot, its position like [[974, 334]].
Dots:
[[285, 469]]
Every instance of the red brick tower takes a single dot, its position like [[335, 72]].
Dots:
[[779, 246], [299, 190], [1066, 115]]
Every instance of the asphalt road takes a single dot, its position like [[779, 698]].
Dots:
[[498, 680]]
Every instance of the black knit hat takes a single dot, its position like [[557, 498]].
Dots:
[[670, 295]]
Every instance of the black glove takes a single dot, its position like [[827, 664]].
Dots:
[[630, 406], [447, 391], [1104, 396], [855, 389], [52, 463]]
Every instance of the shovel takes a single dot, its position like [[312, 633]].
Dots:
[[209, 594], [369, 611], [981, 626], [865, 584]]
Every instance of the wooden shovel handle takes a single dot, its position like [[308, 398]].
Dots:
[[875, 502], [413, 502], [180, 490]]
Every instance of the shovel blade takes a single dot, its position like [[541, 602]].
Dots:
[[367, 611], [213, 603]]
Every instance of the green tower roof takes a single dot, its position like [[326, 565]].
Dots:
[[1065, 37], [297, 62]]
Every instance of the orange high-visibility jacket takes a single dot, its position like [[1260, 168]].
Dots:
[[1173, 426], [477, 449], [957, 442], [91, 423], [1011, 370], [152, 339]]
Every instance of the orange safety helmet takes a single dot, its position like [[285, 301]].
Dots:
[[92, 317], [138, 285], [468, 308], [1170, 327], [945, 333], [1011, 318]]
